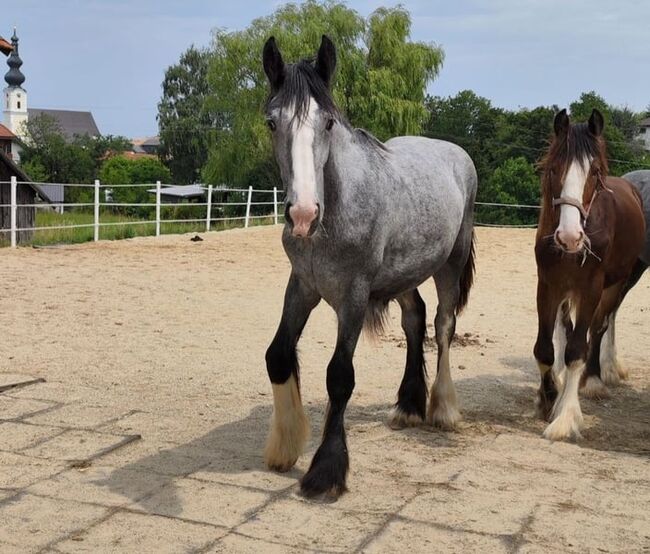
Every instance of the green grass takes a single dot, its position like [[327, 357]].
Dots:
[[129, 229]]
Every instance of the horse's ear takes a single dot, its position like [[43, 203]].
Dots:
[[273, 64], [326, 60], [596, 123], [561, 123]]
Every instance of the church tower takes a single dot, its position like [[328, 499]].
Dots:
[[15, 96]]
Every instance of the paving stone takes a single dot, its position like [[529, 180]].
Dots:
[[472, 510], [13, 408], [18, 471], [35, 522], [235, 543], [578, 530], [137, 533], [211, 503], [423, 538], [101, 485], [78, 415], [73, 444], [311, 525], [18, 436]]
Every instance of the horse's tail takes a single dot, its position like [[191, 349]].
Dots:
[[376, 317], [467, 277]]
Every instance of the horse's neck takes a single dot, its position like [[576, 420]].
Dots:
[[349, 165]]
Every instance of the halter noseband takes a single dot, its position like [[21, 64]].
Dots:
[[584, 212]]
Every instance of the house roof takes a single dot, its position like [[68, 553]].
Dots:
[[181, 191], [71, 122], [5, 133], [645, 122], [5, 47], [22, 176]]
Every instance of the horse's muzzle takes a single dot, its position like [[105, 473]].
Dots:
[[303, 219], [570, 242]]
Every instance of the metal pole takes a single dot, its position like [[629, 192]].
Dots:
[[157, 208], [14, 187], [248, 206], [96, 210], [209, 213], [275, 204]]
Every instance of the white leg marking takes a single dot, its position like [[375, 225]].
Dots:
[[398, 419], [289, 427], [567, 415], [611, 371], [559, 346], [443, 406]]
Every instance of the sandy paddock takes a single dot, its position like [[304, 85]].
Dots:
[[165, 338]]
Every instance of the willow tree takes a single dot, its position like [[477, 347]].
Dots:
[[380, 82]]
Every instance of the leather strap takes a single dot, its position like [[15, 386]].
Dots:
[[571, 202]]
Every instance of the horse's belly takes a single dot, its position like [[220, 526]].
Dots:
[[400, 273]]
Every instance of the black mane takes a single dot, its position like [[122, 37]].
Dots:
[[301, 83], [581, 145]]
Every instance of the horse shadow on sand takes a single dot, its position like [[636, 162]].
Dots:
[[490, 405]]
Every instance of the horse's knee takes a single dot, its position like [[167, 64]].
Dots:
[[281, 361], [575, 350], [543, 351], [340, 378]]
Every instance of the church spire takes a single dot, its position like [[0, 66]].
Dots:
[[14, 76]]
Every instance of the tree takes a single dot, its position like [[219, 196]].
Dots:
[[513, 182], [380, 80], [183, 121], [119, 170]]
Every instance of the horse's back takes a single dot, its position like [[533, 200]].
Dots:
[[427, 160], [641, 181]]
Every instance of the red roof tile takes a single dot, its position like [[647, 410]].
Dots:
[[6, 133]]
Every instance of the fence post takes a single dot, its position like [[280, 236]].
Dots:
[[14, 187], [209, 212], [248, 206], [275, 204], [157, 208], [96, 210]]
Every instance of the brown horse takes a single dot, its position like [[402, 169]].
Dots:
[[590, 234]]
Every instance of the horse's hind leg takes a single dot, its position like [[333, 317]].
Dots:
[[443, 406], [412, 395], [592, 386], [611, 371], [289, 424]]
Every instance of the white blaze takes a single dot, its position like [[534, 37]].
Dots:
[[570, 227], [302, 155]]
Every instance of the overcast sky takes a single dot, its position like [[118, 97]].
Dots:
[[109, 56]]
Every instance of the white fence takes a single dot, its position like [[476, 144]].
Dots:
[[271, 201]]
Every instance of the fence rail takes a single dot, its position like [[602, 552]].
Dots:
[[254, 198]]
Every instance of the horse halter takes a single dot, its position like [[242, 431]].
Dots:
[[584, 212]]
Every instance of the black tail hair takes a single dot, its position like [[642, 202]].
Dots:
[[467, 278]]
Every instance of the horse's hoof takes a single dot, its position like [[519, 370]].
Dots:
[[609, 375], [326, 485], [281, 467], [594, 388], [444, 416], [566, 427], [544, 408], [623, 373], [399, 419]]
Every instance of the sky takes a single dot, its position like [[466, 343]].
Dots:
[[109, 56]]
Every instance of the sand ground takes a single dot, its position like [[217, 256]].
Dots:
[[165, 339]]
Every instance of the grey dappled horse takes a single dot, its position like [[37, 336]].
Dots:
[[611, 371], [366, 223]]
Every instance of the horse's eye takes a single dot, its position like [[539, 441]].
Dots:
[[329, 124], [270, 123]]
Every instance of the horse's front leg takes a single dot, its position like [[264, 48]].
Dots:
[[289, 425], [567, 415], [329, 467], [548, 301]]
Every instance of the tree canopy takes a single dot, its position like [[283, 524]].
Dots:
[[380, 81]]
